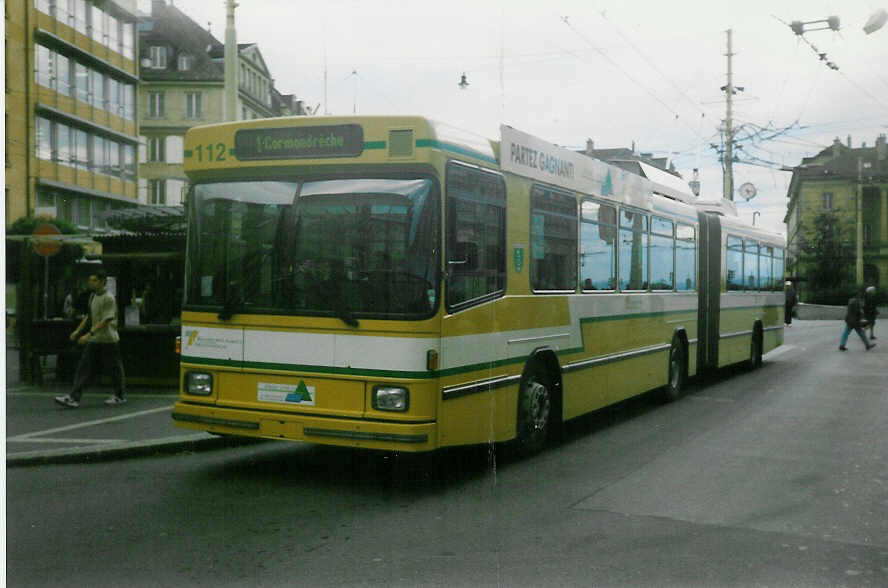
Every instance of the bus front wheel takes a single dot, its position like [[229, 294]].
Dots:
[[534, 413]]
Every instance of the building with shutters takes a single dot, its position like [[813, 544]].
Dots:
[[183, 85]]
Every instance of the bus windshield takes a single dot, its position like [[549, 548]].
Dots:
[[347, 248]]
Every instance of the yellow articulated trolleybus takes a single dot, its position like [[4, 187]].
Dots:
[[394, 283]]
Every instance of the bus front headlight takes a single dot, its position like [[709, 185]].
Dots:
[[391, 398], [199, 383]]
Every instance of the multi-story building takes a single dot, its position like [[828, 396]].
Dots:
[[71, 120], [183, 85], [831, 182]]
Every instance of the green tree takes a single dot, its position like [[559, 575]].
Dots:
[[829, 257]]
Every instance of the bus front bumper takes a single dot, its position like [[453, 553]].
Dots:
[[390, 436]]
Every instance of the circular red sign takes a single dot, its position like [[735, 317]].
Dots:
[[46, 247]]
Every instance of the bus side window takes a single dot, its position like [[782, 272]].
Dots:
[[476, 235], [553, 240], [734, 263]]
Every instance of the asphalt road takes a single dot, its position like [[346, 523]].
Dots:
[[777, 477]]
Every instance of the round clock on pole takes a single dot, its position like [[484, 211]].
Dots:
[[748, 191]]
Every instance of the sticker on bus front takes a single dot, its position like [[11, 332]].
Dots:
[[286, 393]]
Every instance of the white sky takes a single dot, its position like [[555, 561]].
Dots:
[[616, 72]]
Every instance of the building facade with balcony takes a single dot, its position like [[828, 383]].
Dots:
[[831, 183], [71, 115]]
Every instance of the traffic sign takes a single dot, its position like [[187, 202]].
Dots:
[[47, 247]]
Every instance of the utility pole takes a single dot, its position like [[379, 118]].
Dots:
[[230, 62], [859, 200], [729, 130]]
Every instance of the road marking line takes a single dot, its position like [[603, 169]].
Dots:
[[90, 423], [55, 440], [779, 351]]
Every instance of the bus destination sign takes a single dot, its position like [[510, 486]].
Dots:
[[299, 142]]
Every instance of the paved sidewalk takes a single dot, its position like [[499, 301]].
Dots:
[[40, 431]]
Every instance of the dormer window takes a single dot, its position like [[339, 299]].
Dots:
[[158, 57], [185, 61]]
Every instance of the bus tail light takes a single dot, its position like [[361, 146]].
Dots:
[[391, 398]]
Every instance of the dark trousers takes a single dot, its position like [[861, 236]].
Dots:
[[787, 313], [96, 358]]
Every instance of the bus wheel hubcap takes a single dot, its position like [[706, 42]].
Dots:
[[538, 406]]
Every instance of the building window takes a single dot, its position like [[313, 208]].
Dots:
[[129, 163], [867, 233], [827, 201], [81, 82], [98, 89], [156, 191], [45, 66], [185, 62], [158, 57], [63, 75], [192, 105], [44, 138], [156, 151], [155, 104]]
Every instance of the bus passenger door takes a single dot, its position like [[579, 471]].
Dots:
[[475, 237]]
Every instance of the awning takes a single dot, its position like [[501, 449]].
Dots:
[[147, 219]]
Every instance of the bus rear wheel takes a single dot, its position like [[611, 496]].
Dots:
[[534, 413], [678, 372], [755, 352]]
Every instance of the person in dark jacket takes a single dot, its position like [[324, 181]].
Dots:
[[853, 318], [791, 300], [870, 311]]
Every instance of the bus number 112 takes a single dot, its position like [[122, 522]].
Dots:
[[220, 152]]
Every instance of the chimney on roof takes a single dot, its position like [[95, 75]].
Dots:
[[881, 148], [835, 147], [849, 141], [590, 146], [633, 146]]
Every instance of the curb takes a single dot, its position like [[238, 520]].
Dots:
[[165, 445]]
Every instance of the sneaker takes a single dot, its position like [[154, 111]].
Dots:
[[66, 400], [842, 348], [112, 400], [870, 346]]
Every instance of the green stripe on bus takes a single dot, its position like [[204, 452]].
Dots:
[[374, 145], [463, 369], [455, 149], [187, 153]]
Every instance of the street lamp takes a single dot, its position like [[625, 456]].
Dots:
[[754, 214], [876, 21]]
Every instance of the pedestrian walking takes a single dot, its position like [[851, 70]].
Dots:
[[870, 312], [791, 300], [101, 342], [853, 320]]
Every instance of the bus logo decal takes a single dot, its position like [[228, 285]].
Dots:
[[286, 393]]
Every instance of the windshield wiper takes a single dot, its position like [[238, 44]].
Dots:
[[346, 317], [231, 306]]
